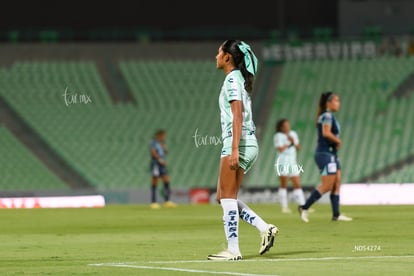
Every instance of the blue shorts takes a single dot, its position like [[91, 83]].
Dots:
[[248, 151], [157, 169], [328, 163]]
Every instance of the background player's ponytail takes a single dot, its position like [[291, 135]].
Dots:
[[241, 52], [323, 99]]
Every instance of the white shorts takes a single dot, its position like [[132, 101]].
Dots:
[[248, 152]]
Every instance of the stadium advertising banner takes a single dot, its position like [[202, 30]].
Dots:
[[356, 49], [91, 201], [377, 194], [351, 194]]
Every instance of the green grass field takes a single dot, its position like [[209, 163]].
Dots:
[[135, 240]]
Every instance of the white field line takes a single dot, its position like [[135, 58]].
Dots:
[[180, 269], [136, 266], [290, 259]]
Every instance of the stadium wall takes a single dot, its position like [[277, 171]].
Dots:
[[351, 194]]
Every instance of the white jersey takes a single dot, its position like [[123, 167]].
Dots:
[[288, 156], [233, 89]]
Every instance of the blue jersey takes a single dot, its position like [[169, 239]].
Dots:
[[158, 148], [324, 144]]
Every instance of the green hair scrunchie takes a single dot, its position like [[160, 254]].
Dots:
[[250, 59]]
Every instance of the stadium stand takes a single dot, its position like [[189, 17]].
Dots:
[[184, 101], [375, 125], [403, 175], [18, 163], [106, 141]]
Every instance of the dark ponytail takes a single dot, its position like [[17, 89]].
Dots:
[[279, 124], [231, 47], [323, 99]]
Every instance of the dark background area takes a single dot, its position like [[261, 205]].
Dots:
[[81, 15], [200, 20], [78, 19]]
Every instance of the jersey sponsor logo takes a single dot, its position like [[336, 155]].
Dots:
[[233, 92], [230, 80], [332, 168]]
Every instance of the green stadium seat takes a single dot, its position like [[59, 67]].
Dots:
[[21, 170], [109, 143]]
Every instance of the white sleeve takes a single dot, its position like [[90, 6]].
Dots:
[[278, 140], [233, 89], [295, 137]]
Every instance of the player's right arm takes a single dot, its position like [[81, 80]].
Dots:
[[281, 149], [156, 156], [278, 142]]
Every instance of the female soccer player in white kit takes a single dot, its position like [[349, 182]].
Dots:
[[240, 147], [286, 142]]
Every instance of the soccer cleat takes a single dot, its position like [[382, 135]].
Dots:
[[224, 256], [341, 218], [268, 238], [155, 206], [303, 214], [286, 211], [170, 204]]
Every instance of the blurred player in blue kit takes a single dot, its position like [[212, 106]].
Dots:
[[158, 168]]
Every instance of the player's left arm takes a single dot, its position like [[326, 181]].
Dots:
[[236, 109], [157, 157], [297, 146], [164, 147], [296, 142]]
